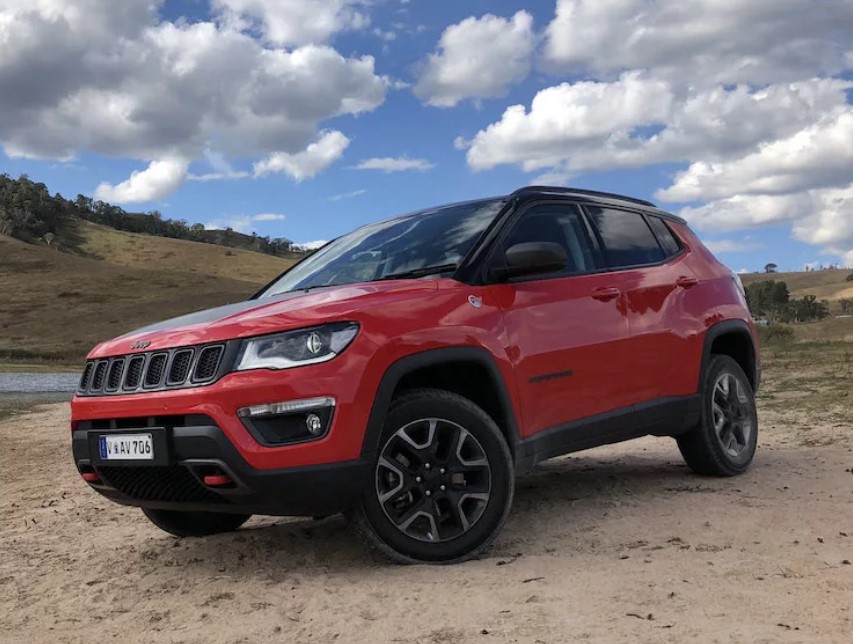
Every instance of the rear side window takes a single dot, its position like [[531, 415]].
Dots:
[[665, 237], [628, 240]]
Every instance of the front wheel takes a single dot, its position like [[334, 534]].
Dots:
[[442, 482], [723, 444], [195, 524]]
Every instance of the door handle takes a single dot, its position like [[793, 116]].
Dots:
[[606, 294], [687, 282]]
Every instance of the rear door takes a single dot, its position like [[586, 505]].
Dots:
[[650, 268], [567, 332]]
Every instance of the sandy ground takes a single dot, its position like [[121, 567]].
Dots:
[[619, 544]]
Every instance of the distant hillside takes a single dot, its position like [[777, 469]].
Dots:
[[28, 212], [56, 306], [830, 285]]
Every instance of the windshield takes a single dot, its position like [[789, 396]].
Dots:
[[428, 241]]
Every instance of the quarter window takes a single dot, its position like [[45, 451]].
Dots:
[[665, 237], [628, 240]]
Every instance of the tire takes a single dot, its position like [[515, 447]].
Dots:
[[443, 457], [195, 524], [724, 442]]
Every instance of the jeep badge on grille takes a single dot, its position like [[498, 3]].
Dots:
[[139, 344]]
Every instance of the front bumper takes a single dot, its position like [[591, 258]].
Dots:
[[197, 446]]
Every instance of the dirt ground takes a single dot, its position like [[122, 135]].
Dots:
[[618, 544]]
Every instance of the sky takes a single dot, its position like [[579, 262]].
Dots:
[[304, 119]]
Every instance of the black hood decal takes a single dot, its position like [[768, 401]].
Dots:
[[210, 315]]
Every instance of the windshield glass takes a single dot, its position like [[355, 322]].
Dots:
[[431, 239]]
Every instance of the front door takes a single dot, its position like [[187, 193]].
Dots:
[[566, 332]]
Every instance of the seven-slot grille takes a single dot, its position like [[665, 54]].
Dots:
[[171, 369]]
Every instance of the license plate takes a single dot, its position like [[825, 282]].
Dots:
[[126, 447]]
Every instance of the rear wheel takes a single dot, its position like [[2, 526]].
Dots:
[[723, 444], [195, 524], [442, 483]]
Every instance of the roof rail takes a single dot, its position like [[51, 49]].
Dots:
[[591, 193]]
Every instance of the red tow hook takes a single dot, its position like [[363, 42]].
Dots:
[[91, 477], [217, 480]]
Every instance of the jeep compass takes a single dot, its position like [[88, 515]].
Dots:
[[406, 372]]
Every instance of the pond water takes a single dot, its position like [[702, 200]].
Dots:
[[29, 383]]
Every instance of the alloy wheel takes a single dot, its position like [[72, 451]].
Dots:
[[732, 414], [433, 480]]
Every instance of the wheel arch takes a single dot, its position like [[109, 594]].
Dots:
[[734, 339], [468, 371]]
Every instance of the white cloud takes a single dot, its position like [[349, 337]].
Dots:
[[568, 118], [729, 246], [243, 223], [312, 245], [111, 78], [593, 125], [701, 42], [306, 164], [158, 180], [817, 156], [348, 195], [387, 36], [822, 216], [218, 176], [477, 58], [392, 164], [296, 22]]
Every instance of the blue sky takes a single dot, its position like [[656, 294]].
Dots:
[[742, 131]]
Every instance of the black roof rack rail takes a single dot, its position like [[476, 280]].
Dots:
[[591, 193]]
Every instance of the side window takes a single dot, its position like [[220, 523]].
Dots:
[[628, 241], [670, 243], [562, 224]]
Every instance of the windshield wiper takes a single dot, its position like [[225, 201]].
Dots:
[[420, 272]]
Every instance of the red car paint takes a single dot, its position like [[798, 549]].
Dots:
[[529, 328]]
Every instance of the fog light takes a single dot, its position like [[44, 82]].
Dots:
[[288, 407], [314, 424]]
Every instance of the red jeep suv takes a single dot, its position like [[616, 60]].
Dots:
[[406, 372]]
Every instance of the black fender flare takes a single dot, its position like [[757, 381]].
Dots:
[[409, 364], [726, 327]]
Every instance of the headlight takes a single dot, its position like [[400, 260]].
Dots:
[[296, 348]]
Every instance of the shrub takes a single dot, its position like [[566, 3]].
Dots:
[[850, 277], [775, 335]]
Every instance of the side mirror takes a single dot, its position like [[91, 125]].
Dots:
[[531, 258]]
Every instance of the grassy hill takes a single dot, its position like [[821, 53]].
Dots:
[[177, 255], [830, 285], [56, 306]]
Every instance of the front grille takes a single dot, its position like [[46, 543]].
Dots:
[[99, 375], [180, 368], [208, 360], [155, 370], [170, 484], [156, 367], [114, 376], [84, 379], [134, 372]]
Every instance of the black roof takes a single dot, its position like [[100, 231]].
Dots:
[[595, 196]]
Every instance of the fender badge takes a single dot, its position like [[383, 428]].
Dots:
[[474, 301]]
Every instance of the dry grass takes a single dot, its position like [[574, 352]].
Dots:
[[56, 306], [811, 376], [177, 255], [825, 285]]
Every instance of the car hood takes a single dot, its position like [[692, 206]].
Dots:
[[266, 315]]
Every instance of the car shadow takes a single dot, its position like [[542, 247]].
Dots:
[[576, 492]]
